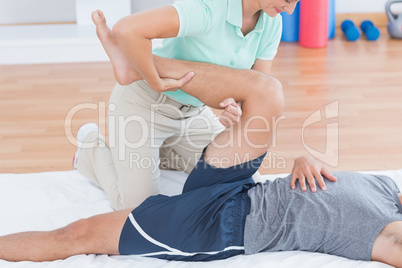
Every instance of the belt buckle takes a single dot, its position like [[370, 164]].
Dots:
[[185, 106]]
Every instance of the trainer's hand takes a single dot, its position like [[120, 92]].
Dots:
[[306, 167], [171, 84], [232, 113]]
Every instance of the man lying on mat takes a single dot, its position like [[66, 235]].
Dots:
[[222, 212]]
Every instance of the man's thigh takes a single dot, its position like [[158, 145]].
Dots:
[[104, 232], [388, 245]]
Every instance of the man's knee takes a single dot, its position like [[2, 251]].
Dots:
[[268, 92], [78, 235]]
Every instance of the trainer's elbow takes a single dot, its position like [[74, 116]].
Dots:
[[124, 28]]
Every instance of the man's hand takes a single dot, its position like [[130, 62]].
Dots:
[[306, 167], [171, 84], [232, 113]]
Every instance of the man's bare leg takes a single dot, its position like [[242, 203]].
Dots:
[[96, 235], [251, 138], [123, 70]]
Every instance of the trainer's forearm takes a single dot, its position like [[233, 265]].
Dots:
[[130, 43], [212, 83]]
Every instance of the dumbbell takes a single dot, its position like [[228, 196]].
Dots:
[[350, 30], [372, 33]]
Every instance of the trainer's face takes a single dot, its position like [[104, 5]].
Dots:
[[274, 7]]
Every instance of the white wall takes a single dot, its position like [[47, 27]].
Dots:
[[33, 11], [360, 6], [364, 6], [36, 11], [140, 5], [113, 10]]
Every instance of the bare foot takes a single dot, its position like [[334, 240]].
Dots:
[[124, 72]]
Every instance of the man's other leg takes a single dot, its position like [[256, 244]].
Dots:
[[388, 245], [99, 234]]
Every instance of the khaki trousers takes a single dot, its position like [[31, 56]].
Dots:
[[147, 131]]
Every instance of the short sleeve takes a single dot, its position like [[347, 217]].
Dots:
[[195, 17], [270, 50]]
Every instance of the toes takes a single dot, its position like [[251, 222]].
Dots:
[[101, 15], [98, 18], [95, 16]]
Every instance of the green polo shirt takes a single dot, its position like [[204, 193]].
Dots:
[[210, 31]]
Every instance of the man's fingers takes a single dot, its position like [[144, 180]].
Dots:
[[302, 181], [311, 182], [328, 174], [320, 180], [293, 181]]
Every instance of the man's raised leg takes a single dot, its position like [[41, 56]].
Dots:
[[262, 101], [252, 137]]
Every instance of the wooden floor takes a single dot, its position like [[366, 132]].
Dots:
[[361, 82]]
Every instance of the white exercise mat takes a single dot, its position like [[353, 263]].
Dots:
[[45, 201]]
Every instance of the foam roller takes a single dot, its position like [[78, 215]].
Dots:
[[314, 23]]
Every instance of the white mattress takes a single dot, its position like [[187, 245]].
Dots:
[[45, 201]]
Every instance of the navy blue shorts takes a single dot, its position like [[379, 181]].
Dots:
[[205, 222]]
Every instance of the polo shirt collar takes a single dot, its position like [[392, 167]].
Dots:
[[235, 15], [261, 22]]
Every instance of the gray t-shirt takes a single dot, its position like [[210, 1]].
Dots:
[[344, 220]]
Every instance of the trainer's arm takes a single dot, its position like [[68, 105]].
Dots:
[[134, 36]]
